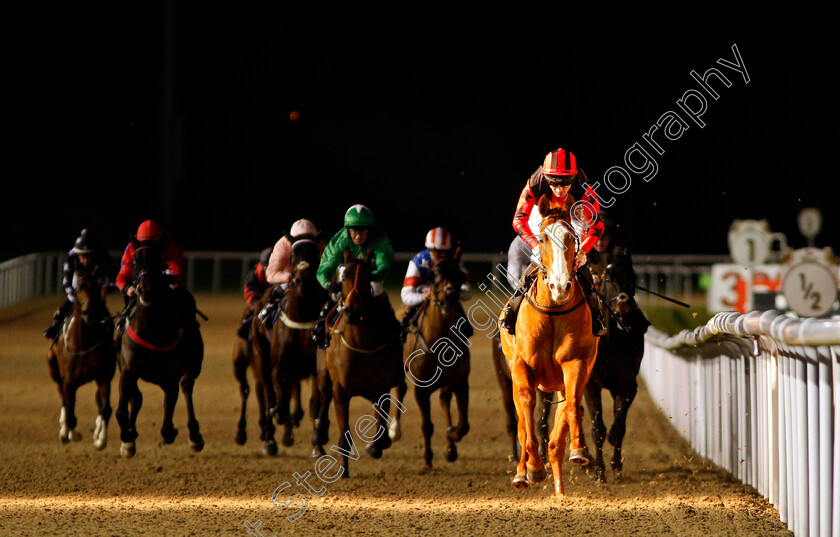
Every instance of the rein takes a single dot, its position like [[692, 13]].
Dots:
[[547, 310], [135, 337]]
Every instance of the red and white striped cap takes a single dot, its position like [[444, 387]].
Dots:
[[439, 239]]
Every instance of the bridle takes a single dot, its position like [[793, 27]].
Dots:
[[554, 310]]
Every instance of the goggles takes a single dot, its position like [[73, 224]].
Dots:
[[560, 180]]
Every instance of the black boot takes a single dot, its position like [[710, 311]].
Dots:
[[512, 308], [599, 327], [58, 319], [319, 331], [244, 330], [406, 320]]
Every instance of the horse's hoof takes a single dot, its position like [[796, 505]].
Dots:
[[384, 442], [75, 436], [99, 445], [318, 451], [240, 437], [395, 431], [127, 449], [270, 448], [520, 481], [579, 456], [451, 455], [63, 437], [373, 450], [169, 436], [288, 439], [197, 444], [537, 476]]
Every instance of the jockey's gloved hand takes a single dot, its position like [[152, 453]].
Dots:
[[334, 288]]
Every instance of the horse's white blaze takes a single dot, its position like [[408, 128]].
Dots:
[[559, 276]]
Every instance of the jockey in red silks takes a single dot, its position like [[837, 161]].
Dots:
[[555, 179], [255, 287], [149, 232]]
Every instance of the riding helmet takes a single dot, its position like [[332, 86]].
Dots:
[[438, 239], [358, 216]]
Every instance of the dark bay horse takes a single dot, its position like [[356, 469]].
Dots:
[[364, 359], [619, 357], [553, 350], [283, 355], [84, 353], [161, 345], [436, 359]]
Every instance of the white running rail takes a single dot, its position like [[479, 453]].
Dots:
[[759, 395]]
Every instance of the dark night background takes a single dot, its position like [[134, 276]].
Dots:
[[183, 115]]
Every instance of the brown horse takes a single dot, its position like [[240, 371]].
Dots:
[[435, 359], [161, 345], [500, 363], [82, 354], [364, 359], [620, 354], [553, 350], [283, 356]]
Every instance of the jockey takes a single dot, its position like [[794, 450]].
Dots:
[[86, 256], [358, 235], [555, 179], [150, 233], [600, 254], [279, 269], [439, 246], [255, 286]]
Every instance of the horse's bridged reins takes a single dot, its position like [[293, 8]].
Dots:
[[333, 330]]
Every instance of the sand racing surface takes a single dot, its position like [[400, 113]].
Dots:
[[49, 488]]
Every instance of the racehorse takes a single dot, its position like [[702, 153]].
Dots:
[[82, 354], [364, 359], [432, 345], [619, 357], [161, 345], [553, 350], [500, 363]]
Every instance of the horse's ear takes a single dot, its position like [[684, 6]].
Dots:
[[457, 256], [544, 205], [368, 255], [346, 255]]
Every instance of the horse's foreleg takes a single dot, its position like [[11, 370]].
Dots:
[[423, 398], [103, 403], [395, 430], [557, 445], [342, 415], [68, 413], [168, 432], [462, 397], [285, 396], [599, 430], [196, 440], [240, 372], [297, 415], [126, 419], [621, 405], [575, 373], [544, 404], [321, 420], [531, 469]]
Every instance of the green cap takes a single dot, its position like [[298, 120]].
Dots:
[[358, 216]]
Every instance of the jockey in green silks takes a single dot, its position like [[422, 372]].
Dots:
[[358, 235]]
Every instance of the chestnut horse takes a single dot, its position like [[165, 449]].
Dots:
[[500, 363], [431, 346], [620, 354], [364, 359], [161, 347], [82, 354], [553, 350]]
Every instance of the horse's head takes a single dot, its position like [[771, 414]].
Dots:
[[558, 248], [88, 294], [446, 281], [356, 286], [147, 269], [304, 262], [619, 283]]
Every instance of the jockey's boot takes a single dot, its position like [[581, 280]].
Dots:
[[584, 277], [512, 308], [244, 330], [61, 313], [410, 312], [320, 332], [267, 312]]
